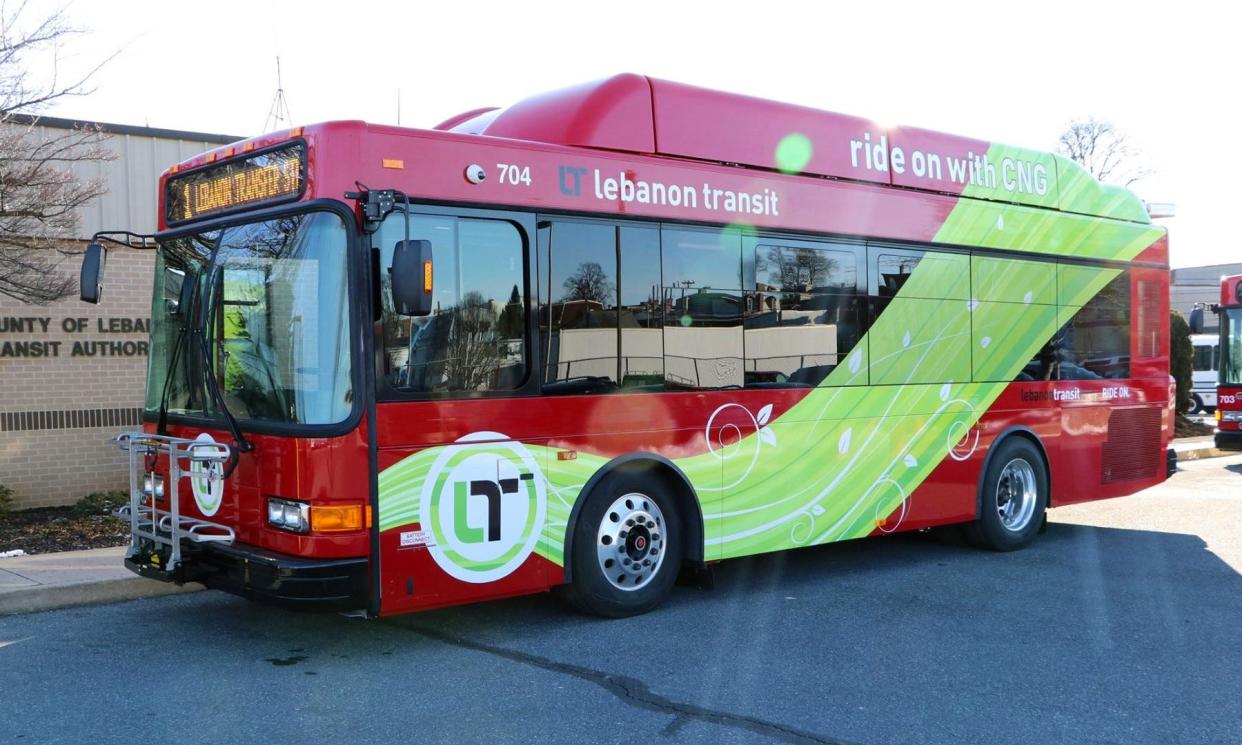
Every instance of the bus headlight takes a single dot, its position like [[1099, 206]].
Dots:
[[1230, 416], [288, 515]]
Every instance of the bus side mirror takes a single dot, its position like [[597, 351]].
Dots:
[[90, 281], [1196, 321], [411, 278], [184, 281]]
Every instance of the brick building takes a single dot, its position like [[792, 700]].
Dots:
[[72, 374]]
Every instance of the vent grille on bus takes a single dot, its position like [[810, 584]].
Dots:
[[1132, 450]]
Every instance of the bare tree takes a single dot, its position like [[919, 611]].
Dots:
[[798, 270], [589, 282], [1103, 150], [474, 350], [39, 191]]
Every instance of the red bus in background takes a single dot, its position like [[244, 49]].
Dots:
[[1229, 390], [623, 328]]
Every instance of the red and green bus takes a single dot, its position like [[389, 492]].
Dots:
[[621, 330], [1229, 389]]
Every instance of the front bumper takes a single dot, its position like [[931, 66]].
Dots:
[[1228, 440], [267, 576]]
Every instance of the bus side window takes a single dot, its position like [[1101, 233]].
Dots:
[[702, 297], [1205, 357], [804, 316], [1095, 341], [920, 322], [474, 339], [893, 270], [578, 307], [600, 314], [641, 313]]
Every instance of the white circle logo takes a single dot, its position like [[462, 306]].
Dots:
[[206, 477], [484, 503]]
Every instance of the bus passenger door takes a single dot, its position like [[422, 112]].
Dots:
[[462, 488]]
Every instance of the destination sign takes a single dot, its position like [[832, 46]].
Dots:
[[266, 177]]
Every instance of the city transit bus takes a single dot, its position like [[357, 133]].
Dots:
[[1229, 389], [620, 330]]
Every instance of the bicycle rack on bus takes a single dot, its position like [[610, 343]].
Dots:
[[153, 529]]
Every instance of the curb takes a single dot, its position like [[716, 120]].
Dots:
[[51, 597], [1201, 453]]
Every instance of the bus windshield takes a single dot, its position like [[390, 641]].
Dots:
[[1231, 346], [268, 309]]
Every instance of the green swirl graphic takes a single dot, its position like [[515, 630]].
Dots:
[[844, 460]]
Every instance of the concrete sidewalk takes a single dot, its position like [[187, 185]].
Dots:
[[46, 581]]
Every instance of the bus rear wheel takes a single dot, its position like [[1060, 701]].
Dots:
[[627, 547], [1196, 404], [1014, 497]]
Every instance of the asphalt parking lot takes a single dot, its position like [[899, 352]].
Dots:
[[1120, 625]]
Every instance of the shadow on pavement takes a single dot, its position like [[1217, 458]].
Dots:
[[1090, 634]]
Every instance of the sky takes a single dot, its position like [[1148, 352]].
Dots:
[[1165, 74]]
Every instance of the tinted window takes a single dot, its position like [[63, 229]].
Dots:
[[1204, 358], [1095, 343], [642, 312], [602, 328], [893, 270], [804, 316], [920, 328], [474, 338], [579, 317], [801, 269], [702, 259], [704, 308]]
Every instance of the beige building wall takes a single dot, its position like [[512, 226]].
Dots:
[[72, 375]]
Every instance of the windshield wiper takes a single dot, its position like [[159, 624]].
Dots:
[[239, 439], [185, 302], [162, 427]]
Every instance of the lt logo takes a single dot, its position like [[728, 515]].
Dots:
[[493, 492], [484, 503], [571, 180]]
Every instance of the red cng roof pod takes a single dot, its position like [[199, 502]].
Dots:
[[610, 114], [634, 113], [699, 123]]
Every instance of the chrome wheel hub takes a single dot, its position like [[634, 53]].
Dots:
[[1016, 494], [630, 541]]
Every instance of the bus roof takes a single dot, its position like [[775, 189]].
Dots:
[[637, 114]]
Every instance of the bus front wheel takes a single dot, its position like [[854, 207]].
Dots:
[[1014, 497], [627, 547]]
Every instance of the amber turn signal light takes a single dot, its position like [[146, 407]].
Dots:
[[339, 518]]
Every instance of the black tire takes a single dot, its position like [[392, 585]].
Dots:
[[595, 587], [1008, 520], [1196, 404]]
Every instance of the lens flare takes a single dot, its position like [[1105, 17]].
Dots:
[[793, 152]]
